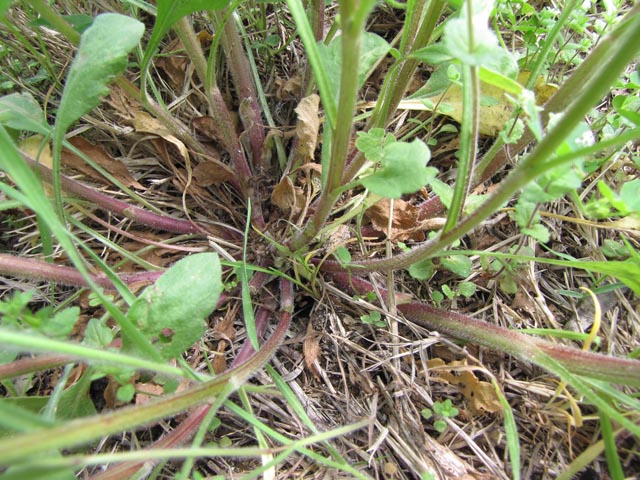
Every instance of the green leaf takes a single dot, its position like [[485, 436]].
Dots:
[[426, 413], [446, 289], [402, 171], [458, 264], [35, 472], [422, 270], [440, 425], [373, 48], [442, 190], [78, 21], [169, 12], [433, 54], [97, 334], [466, 289], [20, 111], [343, 255], [102, 56], [61, 324], [630, 195], [171, 313], [437, 296], [126, 392], [484, 48], [538, 232], [75, 401], [373, 142]]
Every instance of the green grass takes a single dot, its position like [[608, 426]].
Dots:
[[501, 137]]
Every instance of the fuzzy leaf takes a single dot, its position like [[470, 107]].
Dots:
[[484, 48], [102, 56], [20, 111], [402, 171], [171, 313]]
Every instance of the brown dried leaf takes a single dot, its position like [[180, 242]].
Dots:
[[145, 123], [307, 126], [481, 395], [404, 226], [311, 350], [211, 173], [101, 157], [174, 63], [289, 89], [125, 105], [207, 127], [287, 197]]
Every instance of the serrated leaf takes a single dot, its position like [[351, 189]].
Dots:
[[20, 111], [458, 264], [372, 143], [171, 312], [102, 56], [97, 334], [402, 171]]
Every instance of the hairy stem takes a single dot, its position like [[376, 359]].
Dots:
[[521, 346], [623, 46]]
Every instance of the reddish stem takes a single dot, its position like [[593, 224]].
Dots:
[[137, 214], [521, 346]]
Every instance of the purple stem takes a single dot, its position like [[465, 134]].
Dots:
[[521, 346], [137, 214]]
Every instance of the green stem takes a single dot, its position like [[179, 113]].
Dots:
[[354, 15], [84, 430], [622, 46], [469, 132], [397, 81]]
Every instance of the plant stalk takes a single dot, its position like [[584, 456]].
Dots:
[[622, 44]]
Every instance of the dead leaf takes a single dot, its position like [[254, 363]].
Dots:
[[481, 395], [145, 123], [404, 225], [495, 106], [289, 89], [286, 196], [174, 62], [124, 104], [311, 350], [102, 158], [41, 151], [35, 147], [211, 173], [307, 126], [207, 127]]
